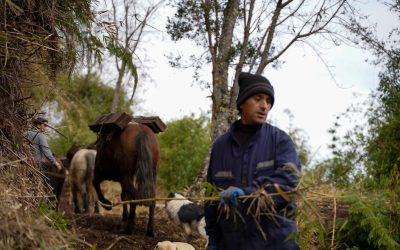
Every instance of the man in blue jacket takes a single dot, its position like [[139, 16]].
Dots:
[[253, 156]]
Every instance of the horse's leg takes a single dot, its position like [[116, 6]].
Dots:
[[75, 200], [92, 197], [150, 223], [53, 185], [125, 212], [102, 199], [124, 197], [128, 194], [130, 227], [76, 196], [59, 192], [85, 200]]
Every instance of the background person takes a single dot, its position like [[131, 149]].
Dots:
[[41, 152], [253, 155]]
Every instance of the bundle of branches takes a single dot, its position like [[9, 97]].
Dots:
[[320, 208]]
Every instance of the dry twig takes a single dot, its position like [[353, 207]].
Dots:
[[119, 239]]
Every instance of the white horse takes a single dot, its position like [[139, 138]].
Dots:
[[81, 178]]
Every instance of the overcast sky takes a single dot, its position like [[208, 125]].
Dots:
[[302, 85]]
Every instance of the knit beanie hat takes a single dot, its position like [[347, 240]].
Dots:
[[39, 120], [251, 84]]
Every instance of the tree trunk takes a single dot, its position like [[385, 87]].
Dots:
[[118, 88], [220, 95], [221, 111]]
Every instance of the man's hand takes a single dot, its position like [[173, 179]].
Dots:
[[230, 195], [58, 166]]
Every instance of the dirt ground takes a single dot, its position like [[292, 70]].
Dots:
[[105, 230]]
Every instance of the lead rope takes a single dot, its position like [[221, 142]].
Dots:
[[211, 198]]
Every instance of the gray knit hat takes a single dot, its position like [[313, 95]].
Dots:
[[251, 84]]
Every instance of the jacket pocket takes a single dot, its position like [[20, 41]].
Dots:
[[224, 179], [265, 168]]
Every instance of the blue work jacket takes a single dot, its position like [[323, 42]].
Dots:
[[269, 159]]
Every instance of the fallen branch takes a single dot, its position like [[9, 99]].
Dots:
[[12, 162], [119, 239]]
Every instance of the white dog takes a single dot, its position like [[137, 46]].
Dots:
[[187, 214], [168, 245]]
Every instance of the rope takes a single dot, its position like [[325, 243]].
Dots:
[[211, 198]]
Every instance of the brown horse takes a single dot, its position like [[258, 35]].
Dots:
[[131, 157]]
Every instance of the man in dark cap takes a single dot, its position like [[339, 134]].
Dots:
[[40, 147], [253, 157]]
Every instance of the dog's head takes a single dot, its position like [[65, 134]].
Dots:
[[170, 195], [173, 195]]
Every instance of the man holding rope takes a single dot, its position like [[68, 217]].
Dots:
[[258, 159]]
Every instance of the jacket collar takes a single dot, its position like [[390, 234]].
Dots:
[[236, 148]]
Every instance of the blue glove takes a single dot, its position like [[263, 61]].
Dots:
[[211, 247], [230, 195]]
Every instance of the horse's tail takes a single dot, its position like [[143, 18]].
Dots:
[[145, 180], [90, 158], [91, 192]]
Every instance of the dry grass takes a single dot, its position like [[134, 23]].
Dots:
[[25, 221]]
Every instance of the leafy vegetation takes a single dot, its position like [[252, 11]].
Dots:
[[366, 162], [372, 223], [184, 146], [81, 100]]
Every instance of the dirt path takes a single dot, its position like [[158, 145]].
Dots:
[[104, 230]]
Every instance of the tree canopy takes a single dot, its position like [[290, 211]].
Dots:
[[248, 36]]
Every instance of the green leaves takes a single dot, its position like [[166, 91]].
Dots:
[[372, 222], [184, 147], [126, 57], [187, 21]]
